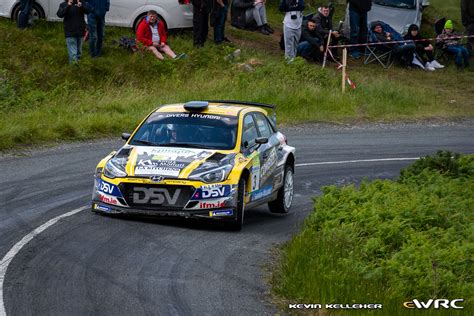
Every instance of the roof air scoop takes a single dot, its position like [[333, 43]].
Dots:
[[196, 105]]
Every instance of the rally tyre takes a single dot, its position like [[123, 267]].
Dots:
[[282, 204], [238, 221]]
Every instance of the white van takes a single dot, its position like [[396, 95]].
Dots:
[[399, 14], [127, 13]]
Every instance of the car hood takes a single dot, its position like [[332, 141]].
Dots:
[[168, 162]]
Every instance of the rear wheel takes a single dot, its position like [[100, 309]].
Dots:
[[37, 13], [238, 221], [282, 204]]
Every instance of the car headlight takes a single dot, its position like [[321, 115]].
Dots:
[[115, 168], [214, 175]]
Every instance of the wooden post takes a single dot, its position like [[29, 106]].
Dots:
[[344, 64], [327, 47]]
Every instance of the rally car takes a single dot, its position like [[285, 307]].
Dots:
[[203, 159]]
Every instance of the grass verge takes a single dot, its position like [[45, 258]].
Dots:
[[388, 242], [43, 99]]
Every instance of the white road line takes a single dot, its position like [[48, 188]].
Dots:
[[352, 161], [17, 247]]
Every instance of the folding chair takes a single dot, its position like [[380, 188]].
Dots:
[[378, 53]]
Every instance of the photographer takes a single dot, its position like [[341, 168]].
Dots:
[[74, 26], [292, 25]]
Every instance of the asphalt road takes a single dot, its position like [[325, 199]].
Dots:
[[92, 264]]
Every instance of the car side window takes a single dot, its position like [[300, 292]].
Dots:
[[263, 126], [249, 132]]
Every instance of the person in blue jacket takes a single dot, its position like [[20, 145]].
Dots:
[[96, 22]]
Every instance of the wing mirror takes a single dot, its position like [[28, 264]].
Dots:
[[261, 140], [126, 136]]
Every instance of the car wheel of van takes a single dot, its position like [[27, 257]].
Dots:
[[284, 199], [37, 13], [238, 221]]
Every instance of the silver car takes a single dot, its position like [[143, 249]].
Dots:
[[126, 13], [399, 14]]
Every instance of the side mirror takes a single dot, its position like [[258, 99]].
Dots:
[[126, 136], [261, 140]]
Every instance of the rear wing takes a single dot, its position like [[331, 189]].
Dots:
[[272, 117]]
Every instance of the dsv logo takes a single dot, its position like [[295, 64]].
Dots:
[[156, 196], [436, 304]]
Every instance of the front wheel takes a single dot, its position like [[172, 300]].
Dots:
[[284, 198], [238, 221]]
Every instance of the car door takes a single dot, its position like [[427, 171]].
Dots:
[[268, 153]]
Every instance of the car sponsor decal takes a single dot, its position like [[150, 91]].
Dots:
[[107, 188], [261, 193], [156, 196], [168, 162], [108, 199], [221, 213], [211, 204], [268, 165], [102, 208], [211, 192], [255, 172]]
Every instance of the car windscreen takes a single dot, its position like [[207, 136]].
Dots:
[[406, 4], [195, 130]]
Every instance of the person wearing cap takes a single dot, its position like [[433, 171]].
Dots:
[[467, 17], [450, 41], [424, 50]]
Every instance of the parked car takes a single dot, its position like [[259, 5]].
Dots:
[[201, 159], [399, 14], [126, 13]]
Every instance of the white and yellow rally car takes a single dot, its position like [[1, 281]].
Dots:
[[207, 159]]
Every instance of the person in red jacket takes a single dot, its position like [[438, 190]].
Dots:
[[152, 34]]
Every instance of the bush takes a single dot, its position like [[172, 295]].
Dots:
[[389, 241]]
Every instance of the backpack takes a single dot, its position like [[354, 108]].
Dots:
[[128, 43]]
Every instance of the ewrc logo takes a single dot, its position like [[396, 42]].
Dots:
[[436, 304]]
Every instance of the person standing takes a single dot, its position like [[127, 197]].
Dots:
[[358, 21], [218, 18], [292, 23], [201, 9], [72, 11], [467, 17], [25, 11], [96, 22]]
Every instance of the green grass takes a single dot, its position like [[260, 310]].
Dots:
[[387, 242], [44, 99]]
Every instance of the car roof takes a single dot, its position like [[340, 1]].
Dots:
[[215, 107]]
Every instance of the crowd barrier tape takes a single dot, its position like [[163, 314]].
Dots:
[[401, 42]]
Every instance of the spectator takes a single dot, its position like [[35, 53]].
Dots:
[[25, 11], [311, 42], [403, 52], [324, 26], [292, 23], [151, 33], [358, 21], [424, 50], [218, 18], [72, 11], [201, 9], [450, 41], [467, 16], [251, 14], [96, 22]]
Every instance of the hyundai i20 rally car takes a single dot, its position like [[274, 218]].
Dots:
[[203, 159]]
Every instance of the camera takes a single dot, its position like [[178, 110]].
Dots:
[[294, 16], [74, 1]]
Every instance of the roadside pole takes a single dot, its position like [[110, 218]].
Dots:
[[327, 47], [344, 64]]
